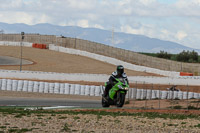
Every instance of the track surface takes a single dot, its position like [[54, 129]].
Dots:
[[51, 61], [8, 101], [6, 60]]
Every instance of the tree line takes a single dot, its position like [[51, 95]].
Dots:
[[184, 56]]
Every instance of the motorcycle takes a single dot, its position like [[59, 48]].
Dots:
[[117, 94]]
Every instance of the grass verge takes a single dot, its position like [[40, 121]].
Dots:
[[20, 112]]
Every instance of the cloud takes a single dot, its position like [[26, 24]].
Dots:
[[83, 23], [98, 26], [173, 20], [147, 2], [18, 17], [81, 5], [181, 35], [129, 29], [23, 17]]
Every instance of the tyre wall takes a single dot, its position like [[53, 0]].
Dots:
[[76, 89]]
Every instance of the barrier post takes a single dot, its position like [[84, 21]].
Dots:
[[22, 34], [134, 100], [187, 97], [151, 91], [128, 95], [75, 43], [159, 97], [152, 88], [145, 104], [146, 97], [198, 101], [173, 103]]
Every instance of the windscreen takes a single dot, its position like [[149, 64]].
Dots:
[[123, 81]]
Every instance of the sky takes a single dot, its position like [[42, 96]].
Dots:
[[171, 20]]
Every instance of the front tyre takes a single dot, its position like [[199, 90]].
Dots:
[[104, 103], [121, 100]]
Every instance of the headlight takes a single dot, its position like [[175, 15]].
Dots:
[[126, 88]]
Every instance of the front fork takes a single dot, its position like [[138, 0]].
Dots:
[[118, 95]]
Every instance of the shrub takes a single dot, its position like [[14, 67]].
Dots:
[[187, 56], [164, 55], [177, 107]]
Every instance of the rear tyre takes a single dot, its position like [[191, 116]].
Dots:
[[104, 103], [121, 100]]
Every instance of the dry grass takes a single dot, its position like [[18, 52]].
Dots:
[[51, 61]]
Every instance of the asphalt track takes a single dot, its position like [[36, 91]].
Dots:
[[6, 60], [50, 102], [8, 101]]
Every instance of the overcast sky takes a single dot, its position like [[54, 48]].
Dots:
[[173, 20]]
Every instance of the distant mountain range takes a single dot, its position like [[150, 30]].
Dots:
[[133, 42]]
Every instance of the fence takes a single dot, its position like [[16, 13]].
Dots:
[[121, 54], [161, 97]]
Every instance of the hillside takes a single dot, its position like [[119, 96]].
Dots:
[[133, 42]]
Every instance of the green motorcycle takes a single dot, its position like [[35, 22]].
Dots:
[[117, 94]]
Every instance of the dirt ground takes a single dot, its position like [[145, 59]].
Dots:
[[51, 61], [55, 123]]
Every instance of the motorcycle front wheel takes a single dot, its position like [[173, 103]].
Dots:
[[104, 103], [121, 100]]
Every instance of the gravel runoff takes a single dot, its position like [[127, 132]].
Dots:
[[54, 123]]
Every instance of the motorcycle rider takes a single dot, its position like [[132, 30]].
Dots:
[[119, 73]]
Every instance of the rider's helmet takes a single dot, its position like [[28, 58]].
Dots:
[[120, 70]]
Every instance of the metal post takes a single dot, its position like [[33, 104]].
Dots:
[[39, 39], [128, 95], [75, 43], [198, 101], [159, 98], [56, 41], [61, 41], [181, 66], [145, 104], [187, 96], [146, 98], [22, 34], [134, 100], [173, 98], [152, 88]]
